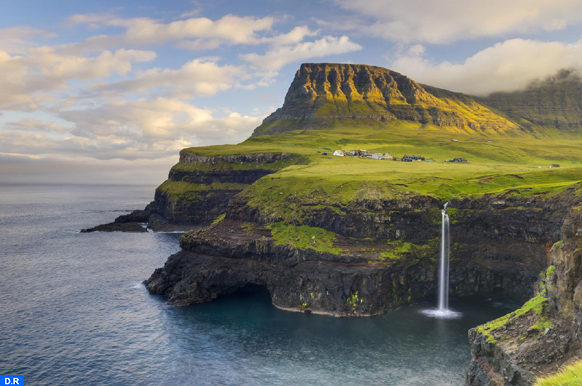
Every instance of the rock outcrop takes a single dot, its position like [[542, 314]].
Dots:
[[544, 334]]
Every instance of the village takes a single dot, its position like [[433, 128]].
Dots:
[[388, 156]]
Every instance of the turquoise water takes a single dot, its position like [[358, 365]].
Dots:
[[74, 312]]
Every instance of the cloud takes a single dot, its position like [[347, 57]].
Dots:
[[278, 56], [35, 125], [435, 21], [197, 77], [195, 32], [153, 128], [505, 66], [18, 39], [30, 80], [23, 168]]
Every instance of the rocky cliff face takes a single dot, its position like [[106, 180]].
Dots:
[[544, 334], [323, 94], [366, 257], [198, 190]]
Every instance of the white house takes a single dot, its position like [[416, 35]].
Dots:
[[338, 153]]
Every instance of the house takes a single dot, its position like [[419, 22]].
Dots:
[[410, 158], [388, 156], [458, 160], [361, 153], [338, 153], [377, 156], [554, 166]]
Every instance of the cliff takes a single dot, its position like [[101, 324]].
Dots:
[[198, 190], [324, 94], [543, 335], [337, 261]]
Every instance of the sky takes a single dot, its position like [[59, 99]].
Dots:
[[110, 91]]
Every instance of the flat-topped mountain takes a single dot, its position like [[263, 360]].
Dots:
[[323, 94]]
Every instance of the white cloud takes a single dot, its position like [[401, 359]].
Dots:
[[18, 39], [145, 129], [279, 56], [194, 32], [197, 77], [505, 66], [31, 79], [161, 126], [437, 21]]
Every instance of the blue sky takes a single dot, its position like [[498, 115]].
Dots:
[[109, 91]]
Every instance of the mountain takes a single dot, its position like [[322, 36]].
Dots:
[[555, 102], [323, 95]]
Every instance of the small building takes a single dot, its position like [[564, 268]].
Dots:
[[410, 158], [554, 166], [377, 156], [338, 153], [458, 160], [429, 160], [388, 156], [361, 153]]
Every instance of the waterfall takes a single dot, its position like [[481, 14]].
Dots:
[[443, 310], [444, 262]]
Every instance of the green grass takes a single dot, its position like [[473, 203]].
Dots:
[[218, 219], [570, 375], [536, 304], [496, 164], [304, 237]]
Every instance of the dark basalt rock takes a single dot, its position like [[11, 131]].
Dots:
[[117, 227], [322, 288], [169, 213], [499, 248], [519, 351]]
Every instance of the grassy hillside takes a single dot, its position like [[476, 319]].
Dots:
[[495, 164]]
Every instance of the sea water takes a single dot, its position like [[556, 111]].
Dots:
[[74, 311]]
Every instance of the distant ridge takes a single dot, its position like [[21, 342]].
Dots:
[[555, 102], [325, 94]]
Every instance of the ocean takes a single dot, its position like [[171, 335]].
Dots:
[[74, 311]]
